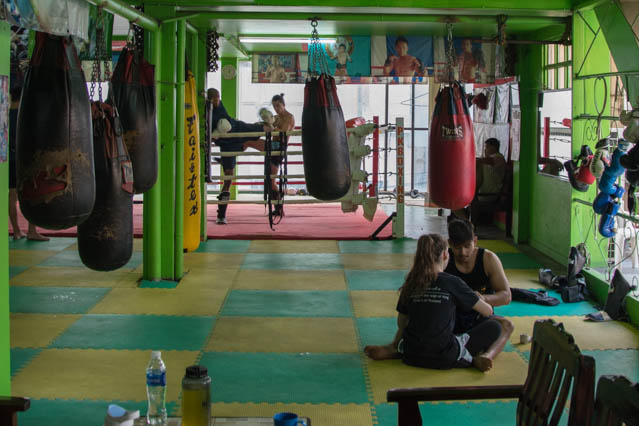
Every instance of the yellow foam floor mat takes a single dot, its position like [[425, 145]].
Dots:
[[137, 245], [378, 261], [509, 368], [266, 279], [204, 279], [293, 246], [245, 334], [320, 414], [588, 335], [160, 301], [381, 303], [498, 246], [29, 257], [213, 260], [38, 330], [524, 278], [97, 374], [42, 276]]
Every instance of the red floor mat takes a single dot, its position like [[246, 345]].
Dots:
[[250, 222]]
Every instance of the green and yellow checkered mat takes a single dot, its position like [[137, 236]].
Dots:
[[279, 324]]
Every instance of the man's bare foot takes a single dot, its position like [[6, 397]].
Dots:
[[17, 237], [482, 363], [381, 352], [36, 236]]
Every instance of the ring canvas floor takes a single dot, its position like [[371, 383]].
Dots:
[[280, 326]]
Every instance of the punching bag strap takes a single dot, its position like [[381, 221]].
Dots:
[[268, 194]]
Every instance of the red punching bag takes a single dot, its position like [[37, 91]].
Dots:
[[451, 150]]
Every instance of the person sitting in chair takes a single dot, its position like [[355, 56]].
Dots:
[[491, 171]]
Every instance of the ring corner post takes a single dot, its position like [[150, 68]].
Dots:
[[398, 220]]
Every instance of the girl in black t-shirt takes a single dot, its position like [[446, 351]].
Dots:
[[428, 301]]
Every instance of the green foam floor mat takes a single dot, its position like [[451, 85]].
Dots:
[[15, 270], [55, 243], [57, 412], [224, 246], [285, 377], [375, 280], [147, 332], [53, 300], [376, 331], [619, 361], [292, 261], [71, 258], [21, 357], [520, 309], [293, 303], [518, 261], [448, 414], [403, 245]]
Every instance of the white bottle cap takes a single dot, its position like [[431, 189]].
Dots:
[[156, 354]]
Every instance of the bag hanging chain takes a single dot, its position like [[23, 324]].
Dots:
[[450, 53], [100, 55], [138, 35], [212, 47], [317, 63]]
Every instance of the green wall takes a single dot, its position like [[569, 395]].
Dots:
[[5, 345], [541, 204], [590, 56]]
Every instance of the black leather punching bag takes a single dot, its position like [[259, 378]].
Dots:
[[324, 144], [133, 91], [54, 151], [105, 239]]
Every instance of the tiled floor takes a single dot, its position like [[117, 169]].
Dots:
[[280, 326]]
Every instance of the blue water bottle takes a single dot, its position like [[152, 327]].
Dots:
[[156, 390]]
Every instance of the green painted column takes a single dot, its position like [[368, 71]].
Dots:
[[524, 170], [179, 152], [230, 98], [166, 92], [590, 56], [5, 344], [198, 47], [151, 229]]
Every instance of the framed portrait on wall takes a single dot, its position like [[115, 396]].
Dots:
[[276, 68]]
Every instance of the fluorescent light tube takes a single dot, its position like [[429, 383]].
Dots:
[[300, 40]]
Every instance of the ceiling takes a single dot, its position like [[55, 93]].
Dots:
[[471, 18]]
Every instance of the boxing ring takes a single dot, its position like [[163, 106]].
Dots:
[[361, 193]]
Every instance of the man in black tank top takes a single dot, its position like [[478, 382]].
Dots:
[[482, 270]]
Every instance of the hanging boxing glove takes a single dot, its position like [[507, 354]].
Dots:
[[600, 158], [105, 239], [607, 220], [133, 91], [451, 156], [572, 169], [583, 174], [54, 150]]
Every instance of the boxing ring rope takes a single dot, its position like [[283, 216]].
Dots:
[[397, 217]]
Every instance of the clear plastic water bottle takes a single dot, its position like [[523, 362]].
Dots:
[[156, 390]]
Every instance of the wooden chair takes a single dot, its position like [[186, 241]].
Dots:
[[556, 367], [617, 402], [9, 407]]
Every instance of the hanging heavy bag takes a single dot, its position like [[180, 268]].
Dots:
[[133, 91], [105, 239], [54, 151], [451, 156], [324, 144], [192, 205]]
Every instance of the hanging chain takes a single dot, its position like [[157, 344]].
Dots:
[[212, 47], [450, 53], [138, 35], [318, 63], [501, 30]]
